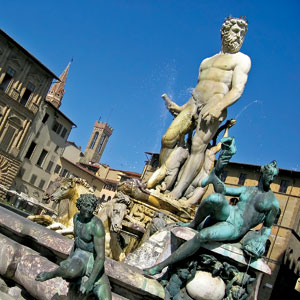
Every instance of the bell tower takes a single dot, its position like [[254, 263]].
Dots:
[[57, 90], [97, 142]]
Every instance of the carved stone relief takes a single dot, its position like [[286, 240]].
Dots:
[[4, 166]]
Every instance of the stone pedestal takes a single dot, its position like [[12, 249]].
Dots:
[[205, 286]]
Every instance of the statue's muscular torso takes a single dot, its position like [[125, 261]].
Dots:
[[215, 76], [252, 209], [83, 233]]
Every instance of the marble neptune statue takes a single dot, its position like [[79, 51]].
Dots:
[[221, 82]]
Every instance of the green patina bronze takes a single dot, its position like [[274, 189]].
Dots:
[[216, 220], [84, 268], [176, 278]]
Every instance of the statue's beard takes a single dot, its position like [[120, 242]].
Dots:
[[231, 45]]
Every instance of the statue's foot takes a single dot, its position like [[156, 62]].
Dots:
[[175, 194], [163, 187], [43, 276], [152, 271], [183, 224]]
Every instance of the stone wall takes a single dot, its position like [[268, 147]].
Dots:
[[9, 168]]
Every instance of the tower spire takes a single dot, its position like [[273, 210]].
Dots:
[[57, 90]]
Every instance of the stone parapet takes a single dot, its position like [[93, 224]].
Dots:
[[17, 231]]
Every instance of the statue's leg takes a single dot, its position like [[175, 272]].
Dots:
[[179, 127], [215, 206], [204, 133], [76, 269], [194, 187], [170, 179], [157, 177], [69, 269], [196, 196], [221, 231], [103, 292]]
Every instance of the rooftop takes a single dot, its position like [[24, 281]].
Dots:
[[60, 112], [27, 53]]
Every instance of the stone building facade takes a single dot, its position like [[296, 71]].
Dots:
[[45, 143], [24, 83], [41, 154], [68, 165]]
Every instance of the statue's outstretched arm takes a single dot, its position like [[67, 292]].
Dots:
[[234, 191], [172, 107], [228, 150], [269, 221]]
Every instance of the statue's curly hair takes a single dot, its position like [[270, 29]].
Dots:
[[271, 168], [85, 199], [230, 21]]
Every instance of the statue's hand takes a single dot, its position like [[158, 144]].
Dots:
[[254, 246], [86, 287], [210, 112], [41, 276]]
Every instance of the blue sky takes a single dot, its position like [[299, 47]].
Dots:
[[127, 53]]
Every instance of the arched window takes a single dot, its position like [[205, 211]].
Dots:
[[101, 143], [94, 140]]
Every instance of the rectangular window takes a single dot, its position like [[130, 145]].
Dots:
[[242, 179], [33, 178], [28, 91], [94, 140], [49, 167], [46, 116], [64, 173], [7, 78], [42, 183], [7, 140], [56, 127], [283, 186], [30, 150], [64, 132], [101, 143], [42, 157], [57, 169], [224, 176], [50, 183], [21, 172]]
